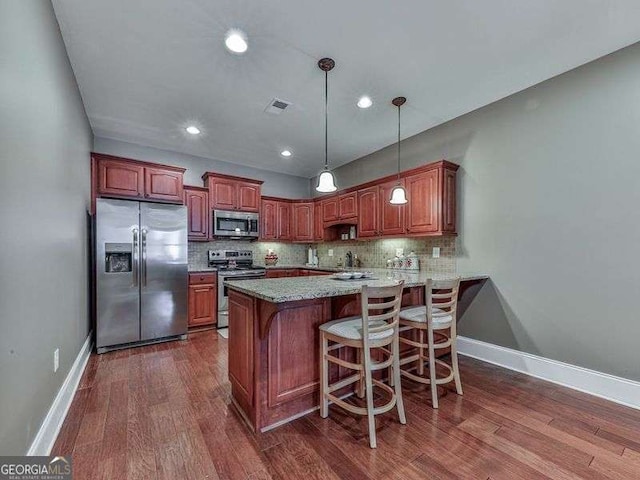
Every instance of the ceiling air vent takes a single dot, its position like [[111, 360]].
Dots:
[[277, 106]]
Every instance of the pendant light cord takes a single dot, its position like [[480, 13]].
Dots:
[[326, 120], [398, 144]]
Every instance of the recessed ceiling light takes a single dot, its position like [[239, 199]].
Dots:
[[236, 41], [365, 102], [286, 153], [192, 130]]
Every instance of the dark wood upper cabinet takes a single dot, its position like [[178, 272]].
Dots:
[[269, 220], [120, 178], [423, 206], [248, 196], [233, 193], [303, 224], [284, 221], [163, 184], [318, 226], [348, 205], [448, 209], [369, 212], [330, 210], [222, 193], [125, 178], [197, 201], [391, 216]]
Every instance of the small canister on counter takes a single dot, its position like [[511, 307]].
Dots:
[[412, 262]]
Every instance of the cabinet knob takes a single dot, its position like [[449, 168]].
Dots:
[[201, 278]]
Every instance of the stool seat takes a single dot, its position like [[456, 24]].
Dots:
[[441, 319], [351, 328]]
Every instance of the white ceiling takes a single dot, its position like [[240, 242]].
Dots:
[[148, 68]]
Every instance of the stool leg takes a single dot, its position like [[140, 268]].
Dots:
[[324, 376], [432, 369], [421, 353], [396, 382], [454, 366], [360, 384], [369, 392]]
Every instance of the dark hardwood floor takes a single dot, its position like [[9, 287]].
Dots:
[[162, 412]]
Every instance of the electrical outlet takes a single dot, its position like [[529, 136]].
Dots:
[[399, 252], [56, 360], [436, 252], [331, 252]]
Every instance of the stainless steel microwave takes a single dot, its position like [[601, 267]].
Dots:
[[235, 224]]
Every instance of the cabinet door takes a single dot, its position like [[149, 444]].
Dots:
[[223, 194], [421, 211], [318, 227], [449, 201], [330, 209], [303, 225], [284, 221], [269, 220], [121, 179], [348, 205], [248, 197], [162, 184], [202, 305], [197, 202], [278, 273], [368, 212], [391, 216]]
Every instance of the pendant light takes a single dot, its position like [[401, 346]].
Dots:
[[326, 182], [398, 194]]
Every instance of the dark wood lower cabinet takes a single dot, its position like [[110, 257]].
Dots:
[[294, 272], [273, 353], [203, 299]]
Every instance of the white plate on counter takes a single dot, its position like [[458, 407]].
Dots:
[[353, 276]]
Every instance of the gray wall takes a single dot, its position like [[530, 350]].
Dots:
[[275, 184], [549, 196], [45, 140]]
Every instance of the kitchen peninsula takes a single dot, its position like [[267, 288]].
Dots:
[[273, 336]]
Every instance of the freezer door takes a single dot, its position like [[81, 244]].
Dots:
[[163, 270], [117, 280]]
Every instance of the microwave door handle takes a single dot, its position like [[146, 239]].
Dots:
[[135, 258]]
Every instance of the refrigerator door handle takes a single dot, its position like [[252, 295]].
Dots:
[[144, 257], [135, 258]]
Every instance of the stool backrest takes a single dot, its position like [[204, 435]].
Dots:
[[442, 294], [383, 315]]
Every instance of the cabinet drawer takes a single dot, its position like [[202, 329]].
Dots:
[[202, 278]]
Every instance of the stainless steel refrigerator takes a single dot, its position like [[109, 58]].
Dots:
[[141, 272]]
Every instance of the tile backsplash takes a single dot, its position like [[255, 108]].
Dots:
[[374, 253], [288, 253]]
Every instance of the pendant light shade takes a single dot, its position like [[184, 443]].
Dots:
[[326, 181], [398, 194]]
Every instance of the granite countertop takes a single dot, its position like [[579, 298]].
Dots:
[[201, 268], [301, 265], [279, 290]]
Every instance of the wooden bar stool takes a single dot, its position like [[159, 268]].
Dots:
[[438, 316], [377, 328]]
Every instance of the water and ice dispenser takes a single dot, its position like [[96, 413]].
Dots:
[[118, 257]]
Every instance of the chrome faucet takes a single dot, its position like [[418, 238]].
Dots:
[[348, 263]]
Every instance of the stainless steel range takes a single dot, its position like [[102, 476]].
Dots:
[[236, 265]]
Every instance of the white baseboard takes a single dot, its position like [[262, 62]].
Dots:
[[48, 432], [603, 385]]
